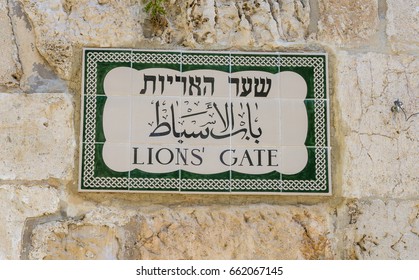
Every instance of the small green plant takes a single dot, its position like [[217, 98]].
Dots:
[[155, 9]]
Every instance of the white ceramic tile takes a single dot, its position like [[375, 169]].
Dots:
[[155, 120], [155, 158], [118, 82], [117, 119], [254, 160], [206, 121], [158, 82], [294, 159], [117, 156], [204, 159], [294, 122], [257, 122], [292, 86], [205, 83], [255, 84]]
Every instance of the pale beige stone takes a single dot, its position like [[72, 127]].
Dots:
[[403, 25], [60, 26], [37, 136], [381, 148], [345, 22], [238, 24], [63, 27], [74, 241], [17, 203], [231, 232], [293, 17], [10, 68], [201, 18], [264, 27], [36, 76], [380, 229]]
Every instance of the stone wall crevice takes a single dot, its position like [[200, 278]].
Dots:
[[30, 224], [19, 71]]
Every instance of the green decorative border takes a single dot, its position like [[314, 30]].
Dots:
[[314, 179]]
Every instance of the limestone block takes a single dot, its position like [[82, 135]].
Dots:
[[381, 148], [37, 136], [18, 203], [62, 25], [201, 18], [293, 17], [246, 24], [10, 68], [383, 230], [231, 232], [75, 241], [37, 76], [260, 18], [348, 21], [403, 24], [239, 24]]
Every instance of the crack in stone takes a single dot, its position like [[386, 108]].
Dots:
[[275, 15], [353, 211], [375, 134], [360, 243], [298, 16], [397, 242], [19, 71], [363, 147], [245, 8], [382, 24], [216, 17], [30, 224], [239, 13]]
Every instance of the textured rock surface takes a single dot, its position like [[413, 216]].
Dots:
[[255, 232], [403, 24], [62, 26], [36, 76], [37, 136], [17, 203], [10, 68], [378, 229], [348, 21], [382, 148], [73, 241]]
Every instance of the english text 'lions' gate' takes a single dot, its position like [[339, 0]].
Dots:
[[222, 122]]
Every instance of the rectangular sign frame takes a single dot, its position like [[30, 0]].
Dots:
[[96, 176]]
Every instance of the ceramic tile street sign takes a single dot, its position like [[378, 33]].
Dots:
[[223, 122]]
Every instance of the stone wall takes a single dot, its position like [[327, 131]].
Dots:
[[373, 49]]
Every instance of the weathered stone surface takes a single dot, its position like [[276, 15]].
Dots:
[[381, 147], [347, 21], [37, 136], [251, 232], [10, 68], [293, 19], [378, 229], [62, 26], [403, 24], [37, 75], [18, 203], [242, 24], [74, 241]]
